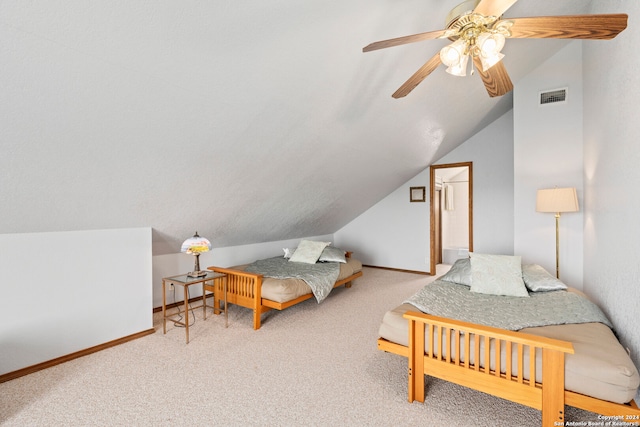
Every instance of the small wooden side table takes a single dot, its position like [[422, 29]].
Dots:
[[185, 281]]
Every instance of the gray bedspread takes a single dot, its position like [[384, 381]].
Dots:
[[445, 299], [320, 276]]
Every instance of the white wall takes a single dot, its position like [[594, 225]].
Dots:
[[63, 292], [491, 151], [612, 174], [548, 153], [395, 233]]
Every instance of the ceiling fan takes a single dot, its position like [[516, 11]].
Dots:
[[478, 31]]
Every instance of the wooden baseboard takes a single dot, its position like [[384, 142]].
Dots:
[[44, 365], [400, 270], [181, 303]]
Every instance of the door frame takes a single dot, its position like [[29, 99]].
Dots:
[[432, 220]]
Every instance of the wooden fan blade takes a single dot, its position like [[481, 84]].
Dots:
[[591, 27], [496, 79], [418, 76], [493, 7], [403, 40]]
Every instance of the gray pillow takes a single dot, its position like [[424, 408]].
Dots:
[[331, 254], [537, 279], [308, 251], [460, 272], [497, 275]]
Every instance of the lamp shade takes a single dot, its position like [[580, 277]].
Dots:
[[459, 69], [490, 44], [557, 200], [196, 245], [454, 53]]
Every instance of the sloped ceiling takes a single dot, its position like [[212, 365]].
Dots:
[[248, 121]]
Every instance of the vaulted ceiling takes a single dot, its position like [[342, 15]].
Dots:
[[248, 121]]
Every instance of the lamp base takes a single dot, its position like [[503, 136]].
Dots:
[[197, 274], [196, 268]]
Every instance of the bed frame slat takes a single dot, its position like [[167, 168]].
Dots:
[[467, 350], [487, 355], [432, 351], [476, 352], [498, 353], [520, 363], [509, 360], [532, 366], [447, 335], [457, 344]]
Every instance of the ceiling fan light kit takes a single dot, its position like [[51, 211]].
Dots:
[[478, 31], [475, 40]]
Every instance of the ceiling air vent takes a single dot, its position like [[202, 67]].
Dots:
[[553, 96]]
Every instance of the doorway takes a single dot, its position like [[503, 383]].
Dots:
[[451, 222]]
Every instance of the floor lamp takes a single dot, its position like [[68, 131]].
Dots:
[[557, 200]]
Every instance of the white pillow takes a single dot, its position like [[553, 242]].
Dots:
[[288, 252], [497, 275], [308, 251]]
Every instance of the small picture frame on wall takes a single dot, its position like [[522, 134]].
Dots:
[[417, 194]]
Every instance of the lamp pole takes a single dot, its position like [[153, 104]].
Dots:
[[557, 245]]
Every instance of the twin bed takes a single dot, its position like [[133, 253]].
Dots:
[[537, 343], [311, 270]]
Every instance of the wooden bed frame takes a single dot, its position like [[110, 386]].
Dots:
[[245, 289], [548, 396]]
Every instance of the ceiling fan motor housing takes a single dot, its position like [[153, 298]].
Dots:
[[464, 8]]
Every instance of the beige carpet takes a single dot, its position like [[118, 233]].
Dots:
[[310, 365]]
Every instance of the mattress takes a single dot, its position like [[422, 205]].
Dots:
[[600, 367], [283, 290]]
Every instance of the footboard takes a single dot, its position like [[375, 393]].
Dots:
[[243, 289], [495, 361]]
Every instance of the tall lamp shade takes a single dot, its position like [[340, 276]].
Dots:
[[557, 201], [195, 246]]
